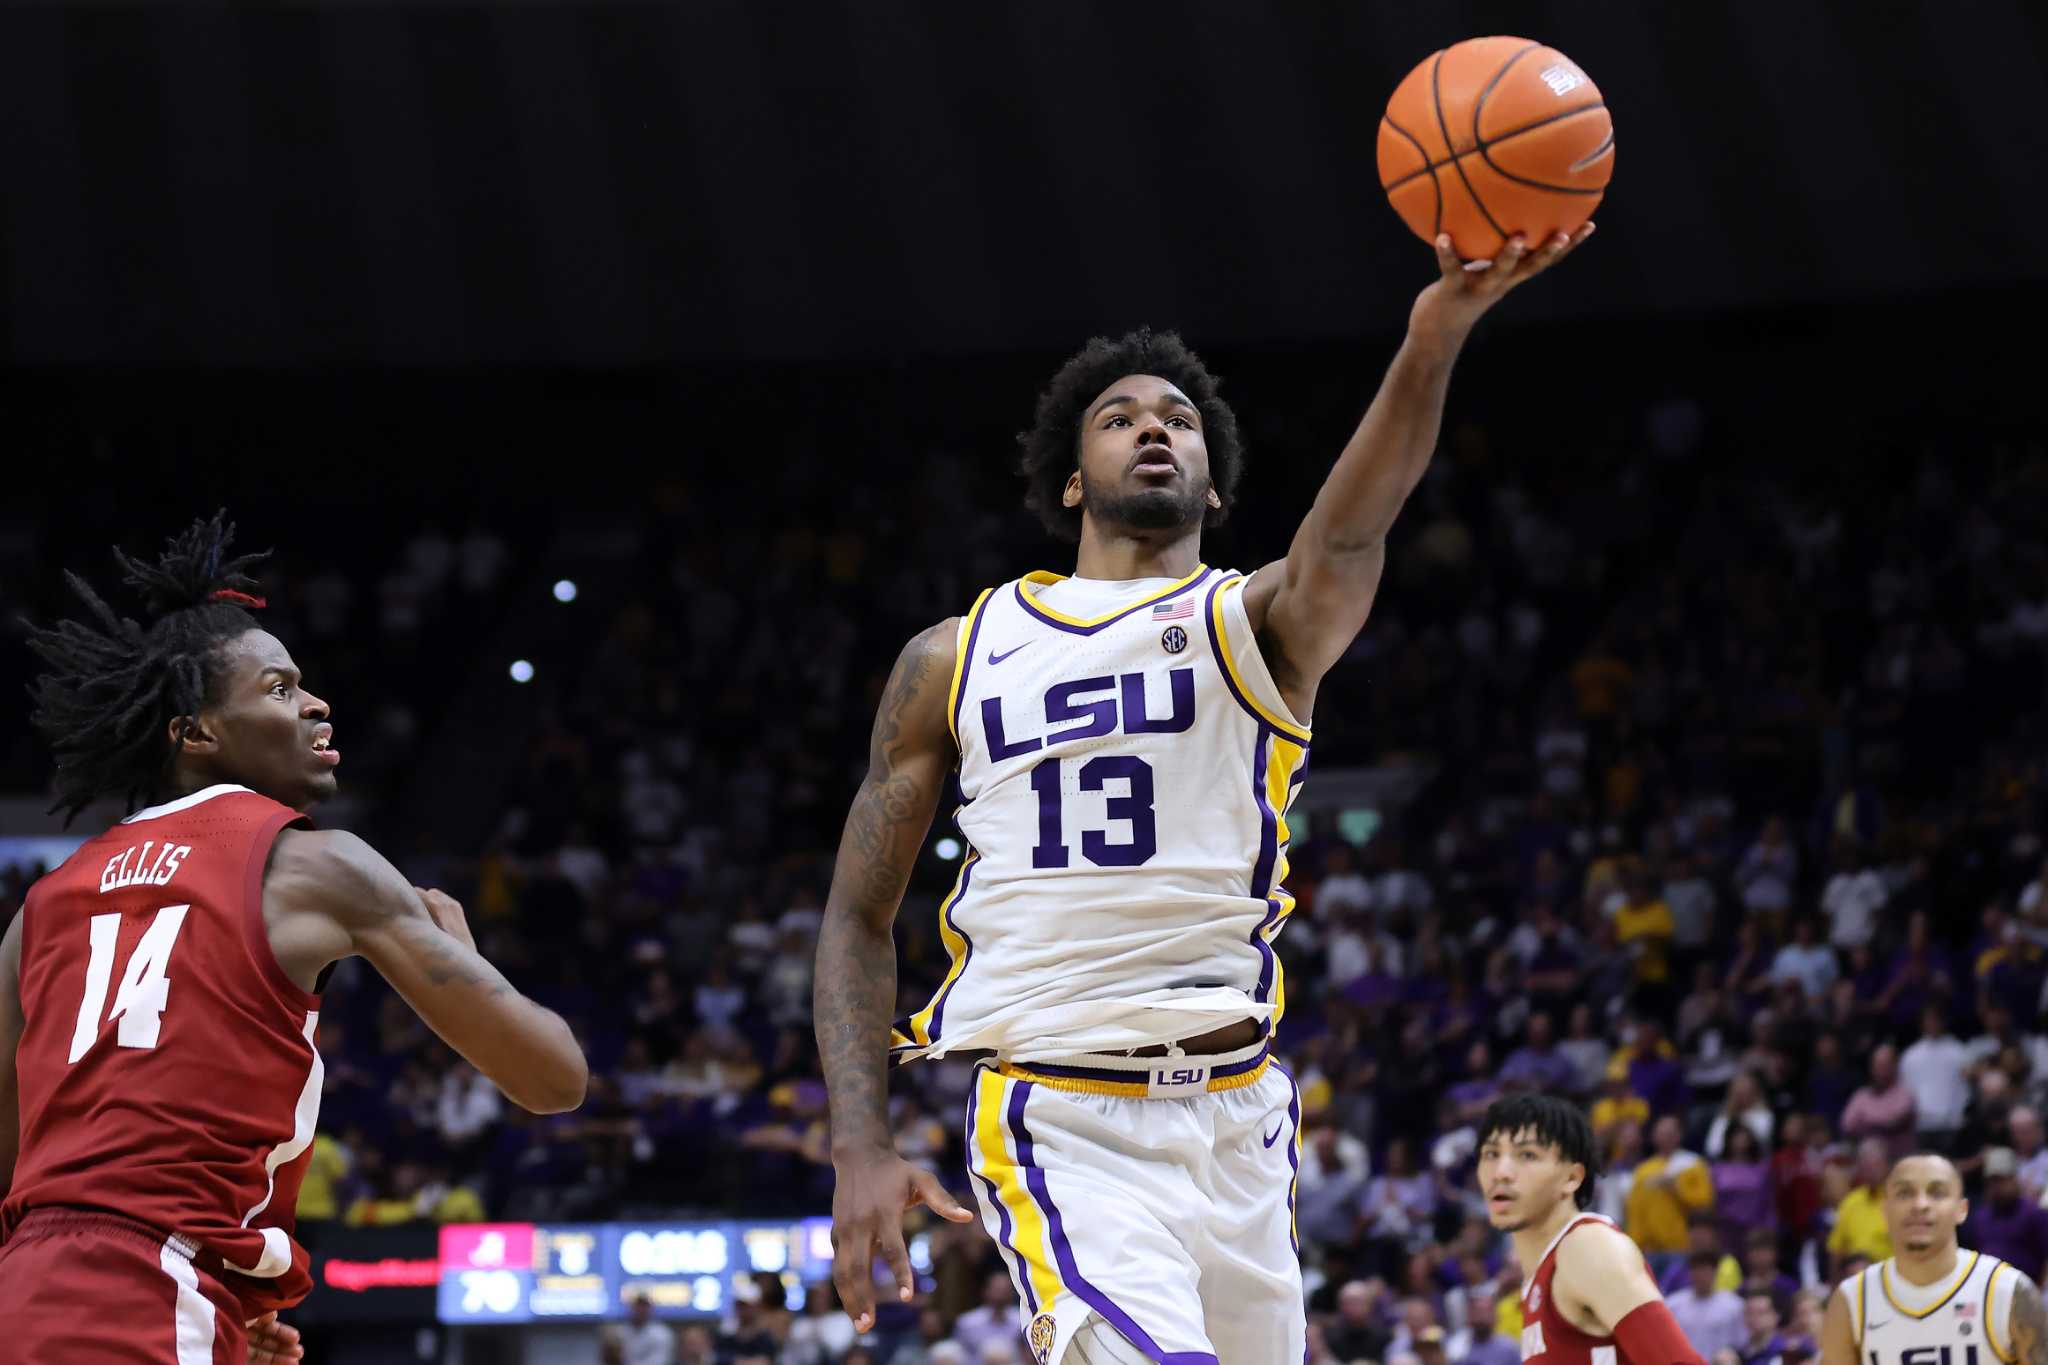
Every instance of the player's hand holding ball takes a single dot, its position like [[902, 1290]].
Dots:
[[1496, 151]]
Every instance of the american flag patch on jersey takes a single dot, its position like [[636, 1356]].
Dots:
[[1174, 611], [1966, 1310]]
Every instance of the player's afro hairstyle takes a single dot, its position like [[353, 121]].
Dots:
[[1552, 1121], [113, 685], [1052, 447]]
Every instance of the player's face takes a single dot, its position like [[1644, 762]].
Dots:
[[1924, 1204], [266, 731], [1144, 466], [1524, 1179]]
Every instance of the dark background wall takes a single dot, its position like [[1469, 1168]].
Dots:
[[609, 185]]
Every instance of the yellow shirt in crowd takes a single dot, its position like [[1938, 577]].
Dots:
[[1656, 1212]]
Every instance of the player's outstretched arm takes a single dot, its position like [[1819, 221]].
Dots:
[[2029, 1326], [1837, 1333], [909, 756], [1307, 608], [328, 894], [11, 1025], [1600, 1270]]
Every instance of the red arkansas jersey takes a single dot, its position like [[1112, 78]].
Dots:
[[1546, 1333], [167, 1069]]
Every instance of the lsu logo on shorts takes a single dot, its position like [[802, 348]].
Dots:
[[1039, 1337]]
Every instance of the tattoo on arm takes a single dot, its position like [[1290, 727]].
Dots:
[[444, 962], [2029, 1326], [855, 991]]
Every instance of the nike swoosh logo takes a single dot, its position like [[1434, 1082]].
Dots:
[[1275, 1135], [995, 658], [1875, 1325]]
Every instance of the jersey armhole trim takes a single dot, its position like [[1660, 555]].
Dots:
[[1862, 1283], [1991, 1312], [255, 932], [963, 658], [1226, 661]]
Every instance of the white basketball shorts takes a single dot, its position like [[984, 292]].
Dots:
[[1154, 1193]]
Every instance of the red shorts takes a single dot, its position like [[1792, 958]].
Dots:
[[90, 1288]]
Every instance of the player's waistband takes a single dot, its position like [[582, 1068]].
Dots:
[[65, 1220], [1171, 1077]]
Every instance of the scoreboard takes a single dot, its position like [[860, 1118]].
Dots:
[[526, 1272]]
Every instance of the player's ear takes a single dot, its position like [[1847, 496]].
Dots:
[[189, 735], [1070, 496], [1214, 499]]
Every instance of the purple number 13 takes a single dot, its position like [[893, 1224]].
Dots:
[[1135, 807]]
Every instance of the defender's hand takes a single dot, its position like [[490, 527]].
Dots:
[[447, 915], [272, 1342], [1466, 289], [868, 1202]]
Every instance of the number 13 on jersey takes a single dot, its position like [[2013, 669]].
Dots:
[[1134, 807]]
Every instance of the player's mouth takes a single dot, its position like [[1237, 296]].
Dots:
[[1498, 1200], [323, 745], [1155, 464]]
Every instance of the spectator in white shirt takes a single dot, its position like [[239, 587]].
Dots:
[[1852, 899], [1343, 889], [1807, 961], [1710, 1317], [1933, 1069], [1769, 871], [641, 1340]]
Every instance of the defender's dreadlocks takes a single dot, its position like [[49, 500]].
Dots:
[[1052, 448], [113, 686]]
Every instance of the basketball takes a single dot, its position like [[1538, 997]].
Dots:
[[1492, 137]]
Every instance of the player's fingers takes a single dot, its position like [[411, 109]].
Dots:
[[1509, 261], [853, 1256], [897, 1257], [927, 1190], [1447, 257]]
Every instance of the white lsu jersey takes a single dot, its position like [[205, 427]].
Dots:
[[1897, 1322], [1124, 785]]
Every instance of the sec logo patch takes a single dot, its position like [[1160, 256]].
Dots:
[[1039, 1337], [1174, 640]]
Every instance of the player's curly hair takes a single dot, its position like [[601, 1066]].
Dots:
[[1553, 1121], [1052, 447], [113, 685]]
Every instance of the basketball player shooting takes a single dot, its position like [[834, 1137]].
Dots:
[[1587, 1297], [159, 990], [1931, 1302], [1126, 743]]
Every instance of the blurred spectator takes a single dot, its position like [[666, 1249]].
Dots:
[[1859, 1231], [1743, 1190], [1762, 1343], [1806, 961], [1933, 1069], [1332, 1181], [1537, 1064], [1710, 1316], [822, 1332], [2030, 1152], [1852, 898], [1760, 1266], [1744, 1108], [919, 1350], [641, 1340], [1769, 872], [1669, 1185], [1356, 1333], [1884, 1110], [696, 1346], [2005, 1225], [1476, 1342], [994, 1322]]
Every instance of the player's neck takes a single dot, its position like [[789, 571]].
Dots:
[[1532, 1241], [1924, 1268], [1119, 555]]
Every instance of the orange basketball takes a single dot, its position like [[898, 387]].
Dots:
[[1492, 137]]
